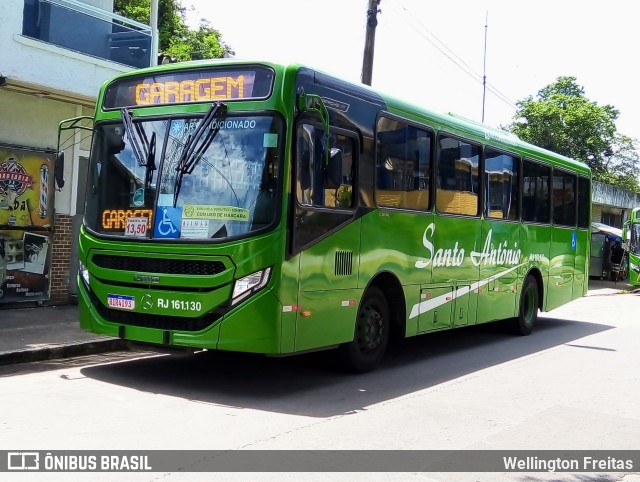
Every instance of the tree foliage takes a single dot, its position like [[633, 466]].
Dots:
[[175, 38], [563, 120]]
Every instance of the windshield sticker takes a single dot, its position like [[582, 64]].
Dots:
[[193, 211], [136, 227], [167, 222], [194, 228], [165, 199], [270, 140], [138, 197], [176, 127], [223, 124]]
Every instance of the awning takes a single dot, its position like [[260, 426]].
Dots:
[[613, 233]]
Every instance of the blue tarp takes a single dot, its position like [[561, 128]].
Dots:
[[611, 233]]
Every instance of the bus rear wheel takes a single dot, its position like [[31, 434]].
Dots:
[[528, 308], [371, 335]]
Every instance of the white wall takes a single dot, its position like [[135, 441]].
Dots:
[[30, 61], [29, 121]]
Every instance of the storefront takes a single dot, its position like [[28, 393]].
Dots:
[[26, 223], [612, 205]]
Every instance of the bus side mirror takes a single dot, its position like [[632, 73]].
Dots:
[[58, 170]]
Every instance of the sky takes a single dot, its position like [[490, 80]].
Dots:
[[432, 52]]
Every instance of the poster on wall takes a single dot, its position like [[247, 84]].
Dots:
[[25, 260], [26, 189], [26, 224]]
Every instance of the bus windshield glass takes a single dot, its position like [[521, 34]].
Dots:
[[635, 238], [139, 188]]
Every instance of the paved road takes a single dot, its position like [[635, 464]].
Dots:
[[572, 384]]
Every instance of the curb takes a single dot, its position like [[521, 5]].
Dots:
[[63, 351]]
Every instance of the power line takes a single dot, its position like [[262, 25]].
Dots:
[[439, 45]]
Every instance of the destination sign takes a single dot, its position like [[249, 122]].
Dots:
[[118, 218], [188, 86]]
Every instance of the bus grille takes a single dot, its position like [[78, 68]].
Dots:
[[146, 320], [344, 263], [159, 265]]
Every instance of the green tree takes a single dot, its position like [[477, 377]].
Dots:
[[175, 38], [563, 120]]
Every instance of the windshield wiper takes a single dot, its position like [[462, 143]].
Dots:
[[136, 134], [150, 163], [197, 144]]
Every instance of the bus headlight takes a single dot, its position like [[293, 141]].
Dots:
[[244, 287], [634, 267], [84, 272]]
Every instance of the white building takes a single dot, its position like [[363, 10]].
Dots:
[[55, 55]]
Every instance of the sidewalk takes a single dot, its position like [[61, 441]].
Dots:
[[44, 333], [30, 333], [605, 287]]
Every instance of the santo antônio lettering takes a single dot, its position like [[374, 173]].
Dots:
[[454, 256], [199, 90]]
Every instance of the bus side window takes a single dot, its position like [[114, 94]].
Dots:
[[303, 165], [338, 172], [536, 192], [403, 164], [447, 168], [584, 202], [321, 180], [501, 185], [564, 198], [333, 171], [458, 177]]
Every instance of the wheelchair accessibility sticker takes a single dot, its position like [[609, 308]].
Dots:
[[167, 222]]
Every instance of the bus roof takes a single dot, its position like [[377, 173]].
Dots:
[[448, 122]]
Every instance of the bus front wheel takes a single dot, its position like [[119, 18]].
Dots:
[[528, 309], [371, 335]]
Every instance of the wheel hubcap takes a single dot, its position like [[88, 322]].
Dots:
[[370, 329]]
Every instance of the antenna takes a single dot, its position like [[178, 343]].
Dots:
[[484, 67]]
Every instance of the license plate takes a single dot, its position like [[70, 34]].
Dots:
[[121, 302]]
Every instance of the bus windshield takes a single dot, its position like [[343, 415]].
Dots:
[[139, 188], [635, 238]]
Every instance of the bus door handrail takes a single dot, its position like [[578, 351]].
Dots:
[[314, 103]]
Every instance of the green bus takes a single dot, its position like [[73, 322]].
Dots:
[[631, 235], [275, 209]]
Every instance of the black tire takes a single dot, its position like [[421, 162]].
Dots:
[[527, 309], [371, 335]]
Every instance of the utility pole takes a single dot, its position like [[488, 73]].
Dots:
[[153, 21], [370, 38]]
